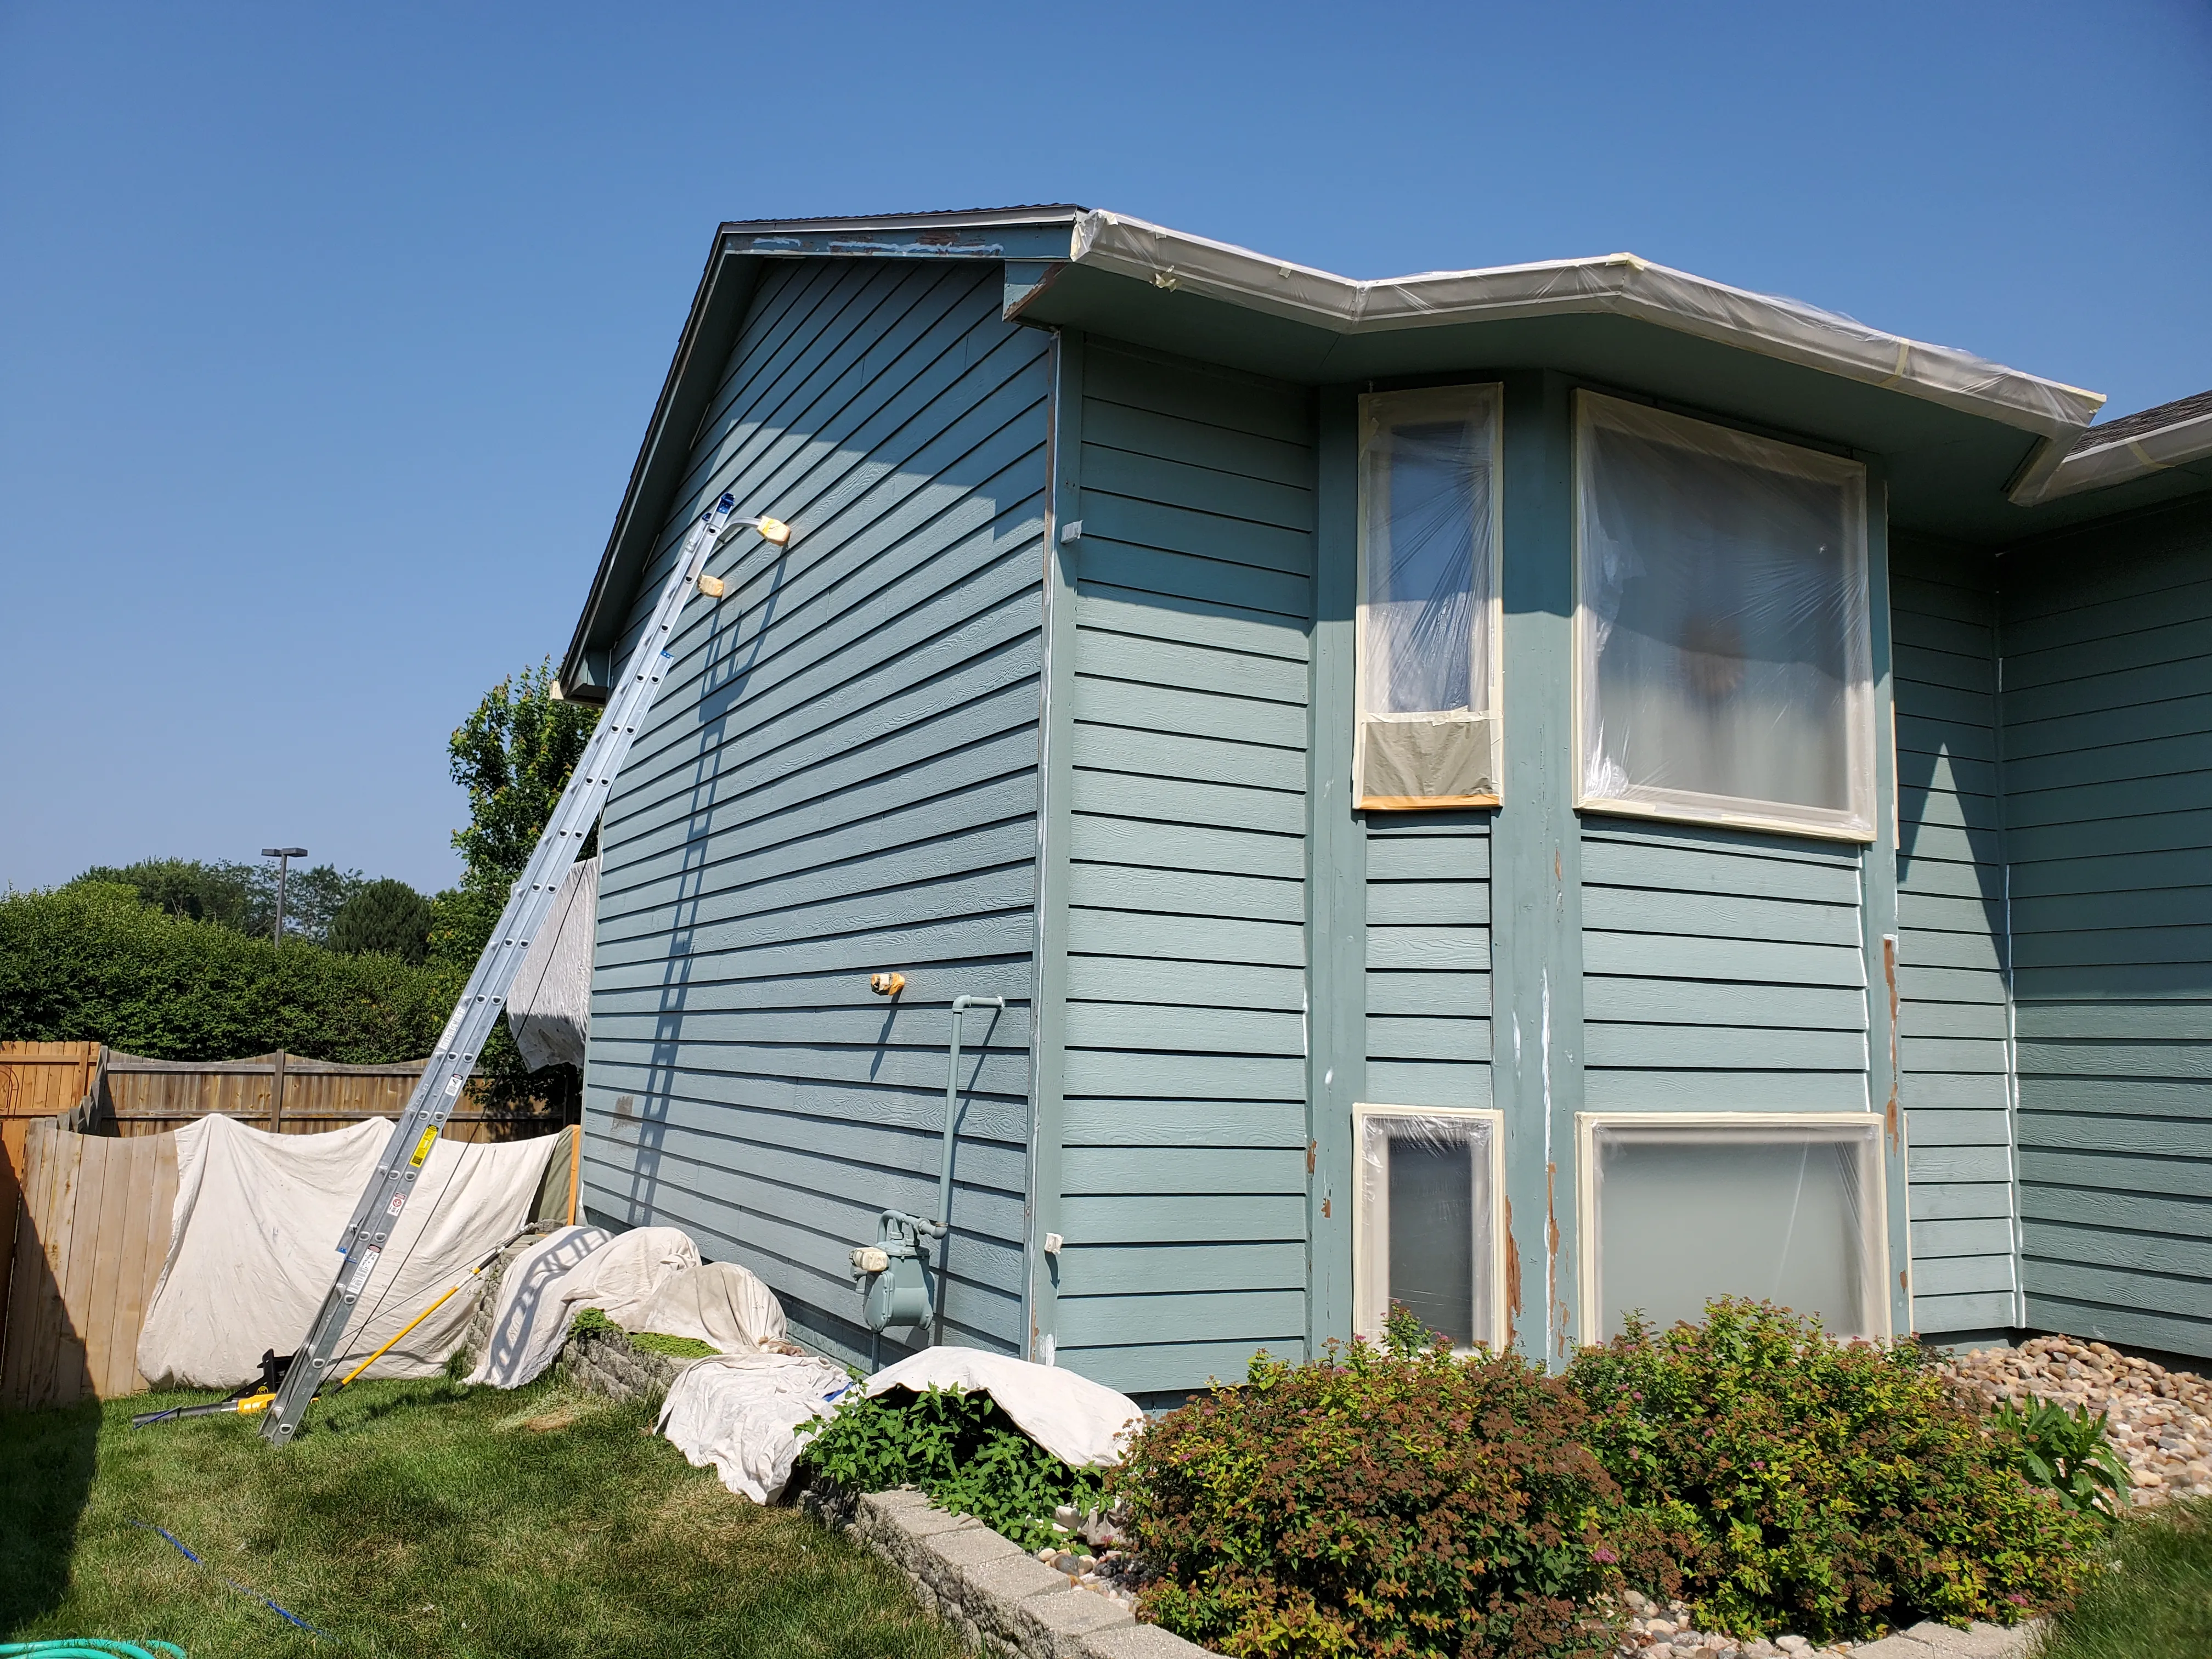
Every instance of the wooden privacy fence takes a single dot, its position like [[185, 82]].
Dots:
[[96, 1214], [88, 1180]]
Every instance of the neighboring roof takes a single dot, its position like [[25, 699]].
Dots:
[[1610, 318], [2135, 446]]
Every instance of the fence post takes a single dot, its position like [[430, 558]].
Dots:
[[276, 1096]]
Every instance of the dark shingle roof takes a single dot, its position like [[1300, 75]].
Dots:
[[2149, 420]]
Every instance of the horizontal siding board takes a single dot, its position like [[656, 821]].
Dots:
[[1176, 1368], [1607, 1089], [1086, 1321], [1933, 1315], [1184, 1123], [1392, 1082], [1092, 1270]]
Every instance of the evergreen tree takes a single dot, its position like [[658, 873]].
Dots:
[[386, 916]]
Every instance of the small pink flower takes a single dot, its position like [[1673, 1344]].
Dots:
[[1605, 1555]]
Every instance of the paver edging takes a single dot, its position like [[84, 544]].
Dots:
[[1003, 1601]]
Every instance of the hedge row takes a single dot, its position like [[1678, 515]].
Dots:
[[91, 964]]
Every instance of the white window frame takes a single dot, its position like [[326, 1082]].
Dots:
[[1449, 401], [1852, 824], [1366, 1316], [1590, 1327]]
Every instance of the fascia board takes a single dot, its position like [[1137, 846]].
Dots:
[[2102, 465], [1620, 283]]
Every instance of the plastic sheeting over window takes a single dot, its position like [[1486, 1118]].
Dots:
[[1725, 660], [1426, 1232], [1681, 1212], [1428, 559]]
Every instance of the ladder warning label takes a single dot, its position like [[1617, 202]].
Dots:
[[422, 1147], [362, 1271], [398, 1202]]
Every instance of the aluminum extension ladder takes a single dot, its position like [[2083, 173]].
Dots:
[[482, 1001]]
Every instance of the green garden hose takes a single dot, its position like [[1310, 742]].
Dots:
[[93, 1647]]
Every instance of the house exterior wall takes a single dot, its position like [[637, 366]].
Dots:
[[1954, 1031], [2108, 705], [1180, 1094], [839, 776]]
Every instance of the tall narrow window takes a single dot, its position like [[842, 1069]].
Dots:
[[1428, 578], [1679, 1209], [1722, 627], [1425, 1234]]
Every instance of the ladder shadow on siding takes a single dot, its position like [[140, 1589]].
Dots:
[[723, 681]]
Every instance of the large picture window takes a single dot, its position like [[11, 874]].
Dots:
[[1787, 1208], [1428, 585], [1723, 672], [1424, 1231]]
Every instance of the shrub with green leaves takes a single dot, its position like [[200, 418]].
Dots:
[[2067, 1452], [1817, 1487], [1401, 1502], [91, 963], [958, 1447]]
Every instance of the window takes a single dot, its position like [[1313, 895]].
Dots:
[[1428, 587], [1424, 1231], [1676, 1210], [1723, 626]]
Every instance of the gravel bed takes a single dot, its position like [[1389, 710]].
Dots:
[[2161, 1420]]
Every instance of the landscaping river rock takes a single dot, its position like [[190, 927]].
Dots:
[[2161, 1420]]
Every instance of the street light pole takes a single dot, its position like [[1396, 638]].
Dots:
[[283, 855]]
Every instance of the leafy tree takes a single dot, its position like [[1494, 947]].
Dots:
[[237, 894], [513, 755], [386, 916]]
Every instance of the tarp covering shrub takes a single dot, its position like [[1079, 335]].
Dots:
[[1386, 1503], [1817, 1487]]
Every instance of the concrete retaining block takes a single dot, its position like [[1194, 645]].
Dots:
[[1003, 1601]]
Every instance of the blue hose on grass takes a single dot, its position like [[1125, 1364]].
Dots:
[[93, 1647], [242, 1589]]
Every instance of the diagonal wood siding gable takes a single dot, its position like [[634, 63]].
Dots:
[[838, 778]]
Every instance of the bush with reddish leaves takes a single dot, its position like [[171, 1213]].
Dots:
[[1400, 1502]]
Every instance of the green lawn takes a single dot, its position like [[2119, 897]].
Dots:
[[2158, 1604], [424, 1518]]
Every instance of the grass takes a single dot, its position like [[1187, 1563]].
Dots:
[[2158, 1605], [424, 1518]]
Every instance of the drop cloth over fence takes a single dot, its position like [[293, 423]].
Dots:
[[253, 1237]]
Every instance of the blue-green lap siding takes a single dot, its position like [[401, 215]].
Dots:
[[1723, 972], [1954, 1032], [2108, 638], [1183, 1167], [1428, 959], [838, 778]]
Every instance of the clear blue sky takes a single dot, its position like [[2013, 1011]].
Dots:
[[328, 334]]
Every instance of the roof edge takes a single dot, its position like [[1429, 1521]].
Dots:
[[2093, 465], [1616, 282]]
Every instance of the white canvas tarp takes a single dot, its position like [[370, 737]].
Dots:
[[718, 1302], [1077, 1420], [740, 1413], [253, 1238], [579, 1267], [549, 1008]]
